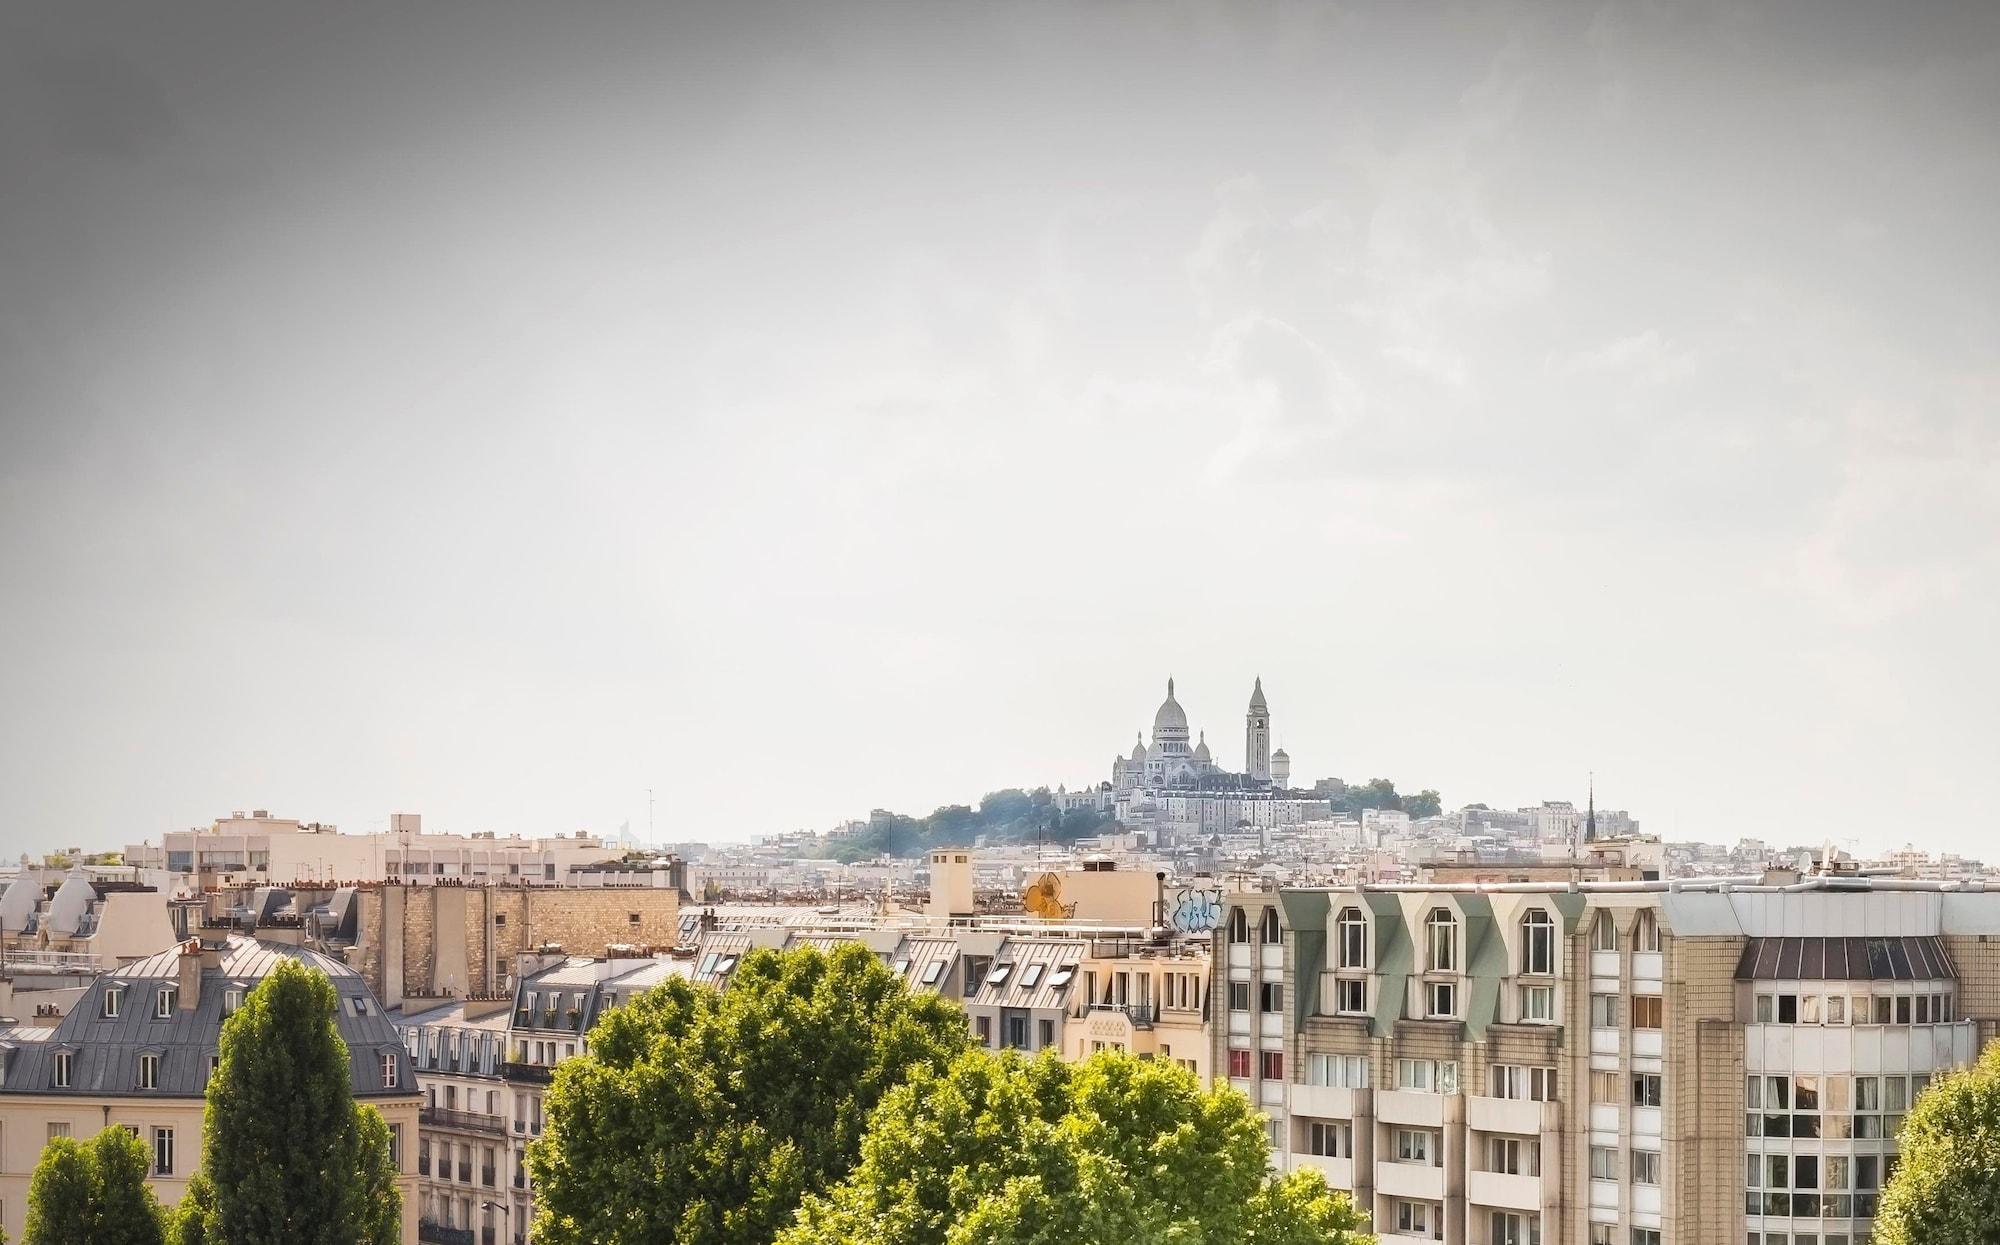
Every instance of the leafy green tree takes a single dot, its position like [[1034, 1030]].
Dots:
[[288, 1152], [1423, 804], [1006, 1151], [703, 1117], [1946, 1189], [188, 1224], [93, 1193]]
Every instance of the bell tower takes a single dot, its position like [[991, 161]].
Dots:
[[1257, 736]]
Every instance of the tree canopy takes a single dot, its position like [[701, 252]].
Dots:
[[703, 1117], [1009, 815], [290, 1157], [93, 1193], [1007, 1151], [1946, 1188]]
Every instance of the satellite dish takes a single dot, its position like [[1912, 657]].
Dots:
[[1043, 897]]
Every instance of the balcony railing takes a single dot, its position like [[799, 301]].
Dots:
[[464, 1172], [533, 1073], [1142, 1015], [469, 1121], [486, 1175], [441, 1235]]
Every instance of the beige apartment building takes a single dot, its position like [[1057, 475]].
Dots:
[[1637, 1063], [136, 1050]]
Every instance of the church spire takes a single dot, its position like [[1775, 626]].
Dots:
[[1590, 818]]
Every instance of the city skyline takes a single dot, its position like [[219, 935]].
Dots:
[[797, 410]]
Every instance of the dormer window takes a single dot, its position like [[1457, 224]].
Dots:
[[1538, 943], [149, 1072], [1441, 941], [114, 1001], [65, 1069], [1351, 933], [232, 1001], [163, 1002], [390, 1068]]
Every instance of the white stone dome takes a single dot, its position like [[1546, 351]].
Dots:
[[1171, 720]]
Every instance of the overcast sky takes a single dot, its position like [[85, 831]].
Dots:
[[493, 411]]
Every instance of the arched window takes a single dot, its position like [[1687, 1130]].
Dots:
[[1603, 932], [1441, 939], [1351, 933], [1239, 925], [1269, 933], [1649, 931], [1538, 942]]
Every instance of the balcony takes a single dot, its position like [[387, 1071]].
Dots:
[[464, 1172], [1338, 1172], [438, 1234], [1328, 1102], [1647, 1043], [1415, 1180], [464, 1121], [1142, 1015], [487, 1176], [529, 1073], [1271, 1024], [1408, 1106], [1504, 1191], [1509, 1115]]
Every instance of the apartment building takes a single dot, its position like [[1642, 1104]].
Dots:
[[1603, 1063], [1146, 997], [137, 1049], [80, 920]]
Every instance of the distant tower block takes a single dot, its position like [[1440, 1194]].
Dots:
[[951, 883], [1257, 735], [1281, 770]]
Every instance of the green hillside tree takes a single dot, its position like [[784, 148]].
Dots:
[[287, 1151], [1946, 1190], [1007, 1151], [703, 1117], [93, 1193]]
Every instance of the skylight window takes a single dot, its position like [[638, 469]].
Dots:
[[1061, 977], [933, 971], [999, 974], [1031, 975]]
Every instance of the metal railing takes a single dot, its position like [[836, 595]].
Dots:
[[534, 1073], [51, 961], [471, 1121], [1142, 1015]]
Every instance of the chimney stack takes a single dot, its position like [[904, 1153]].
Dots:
[[192, 957]]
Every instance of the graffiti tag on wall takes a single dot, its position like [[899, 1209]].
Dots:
[[1196, 909]]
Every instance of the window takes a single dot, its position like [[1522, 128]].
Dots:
[[1645, 1167], [388, 1070], [58, 1128], [1440, 999], [1645, 1236], [1836, 1009], [1333, 1139], [65, 1065], [1340, 1071], [1538, 943], [1538, 1004], [1351, 936], [1268, 932], [1239, 926], [1766, 1010], [998, 977], [1603, 932], [1512, 1228], [114, 1002], [1419, 1219], [1239, 996], [1271, 997], [1534, 1084], [163, 1002], [232, 1001], [1646, 1089], [1649, 936], [982, 1028], [1603, 1163], [1604, 1011], [1271, 1065], [1239, 1063], [1600, 1234], [932, 971], [1514, 1156], [1045, 1034], [1350, 996], [1415, 1145], [1432, 1076], [1441, 941], [1646, 1011], [163, 1152], [1031, 975], [149, 1072]]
